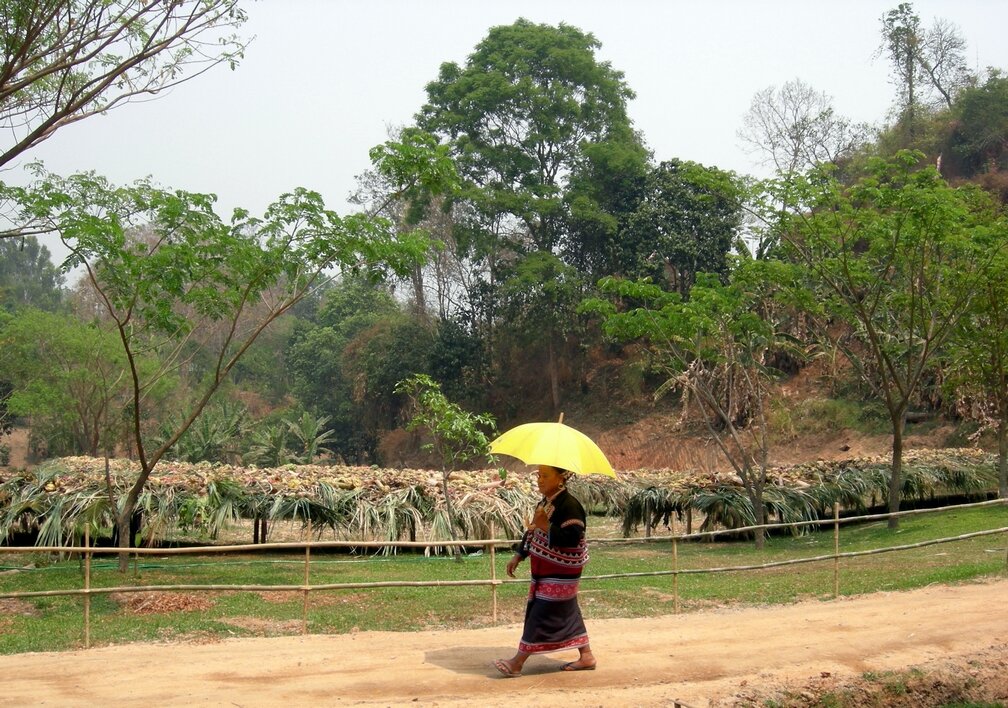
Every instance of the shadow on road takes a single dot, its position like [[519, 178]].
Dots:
[[478, 661]]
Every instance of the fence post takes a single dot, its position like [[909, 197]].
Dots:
[[307, 564], [836, 550], [87, 587], [675, 568], [493, 568]]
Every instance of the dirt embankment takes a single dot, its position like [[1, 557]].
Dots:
[[931, 646], [654, 442]]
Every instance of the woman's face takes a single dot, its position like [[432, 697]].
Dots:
[[549, 480]]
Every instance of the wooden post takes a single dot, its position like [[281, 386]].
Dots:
[[87, 587], [307, 564], [493, 568], [836, 549], [675, 569]]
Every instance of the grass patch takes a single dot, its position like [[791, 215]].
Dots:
[[56, 623]]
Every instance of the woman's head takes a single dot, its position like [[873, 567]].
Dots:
[[551, 479]]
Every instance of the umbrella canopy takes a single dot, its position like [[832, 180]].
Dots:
[[553, 444]]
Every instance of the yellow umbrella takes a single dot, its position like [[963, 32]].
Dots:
[[553, 444]]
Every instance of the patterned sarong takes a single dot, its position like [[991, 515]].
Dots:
[[552, 616]]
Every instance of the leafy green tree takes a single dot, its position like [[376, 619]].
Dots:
[[69, 377], [457, 435], [977, 360], [894, 260], [521, 116], [317, 361], [687, 221], [980, 137], [714, 347], [193, 272], [518, 116], [63, 61], [605, 188], [458, 361], [28, 277], [377, 359]]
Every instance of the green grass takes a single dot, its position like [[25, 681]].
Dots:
[[56, 623]]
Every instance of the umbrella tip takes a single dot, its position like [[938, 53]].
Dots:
[[561, 417]]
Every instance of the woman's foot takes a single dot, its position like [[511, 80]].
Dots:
[[579, 665], [507, 669]]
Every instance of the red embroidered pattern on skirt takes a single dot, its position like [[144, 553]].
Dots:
[[551, 589], [573, 642]]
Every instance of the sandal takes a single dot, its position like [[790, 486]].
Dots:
[[505, 669]]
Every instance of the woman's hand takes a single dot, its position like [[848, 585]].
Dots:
[[512, 564]]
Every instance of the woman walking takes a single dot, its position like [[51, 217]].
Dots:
[[555, 543]]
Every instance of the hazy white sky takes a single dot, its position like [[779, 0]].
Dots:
[[323, 79]]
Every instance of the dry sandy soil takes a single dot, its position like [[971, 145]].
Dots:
[[949, 642]]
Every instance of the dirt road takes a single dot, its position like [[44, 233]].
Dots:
[[708, 658]]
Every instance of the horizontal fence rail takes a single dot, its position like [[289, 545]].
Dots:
[[490, 545]]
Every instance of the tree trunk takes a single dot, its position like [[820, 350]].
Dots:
[[451, 515], [123, 537], [759, 509], [420, 301], [896, 472], [1003, 458], [554, 383]]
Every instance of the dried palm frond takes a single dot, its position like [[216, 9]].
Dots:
[[57, 499]]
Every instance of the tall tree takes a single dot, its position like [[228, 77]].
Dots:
[[519, 115], [195, 272], [894, 260], [928, 66], [66, 60]]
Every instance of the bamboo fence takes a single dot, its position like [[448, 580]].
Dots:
[[490, 545]]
